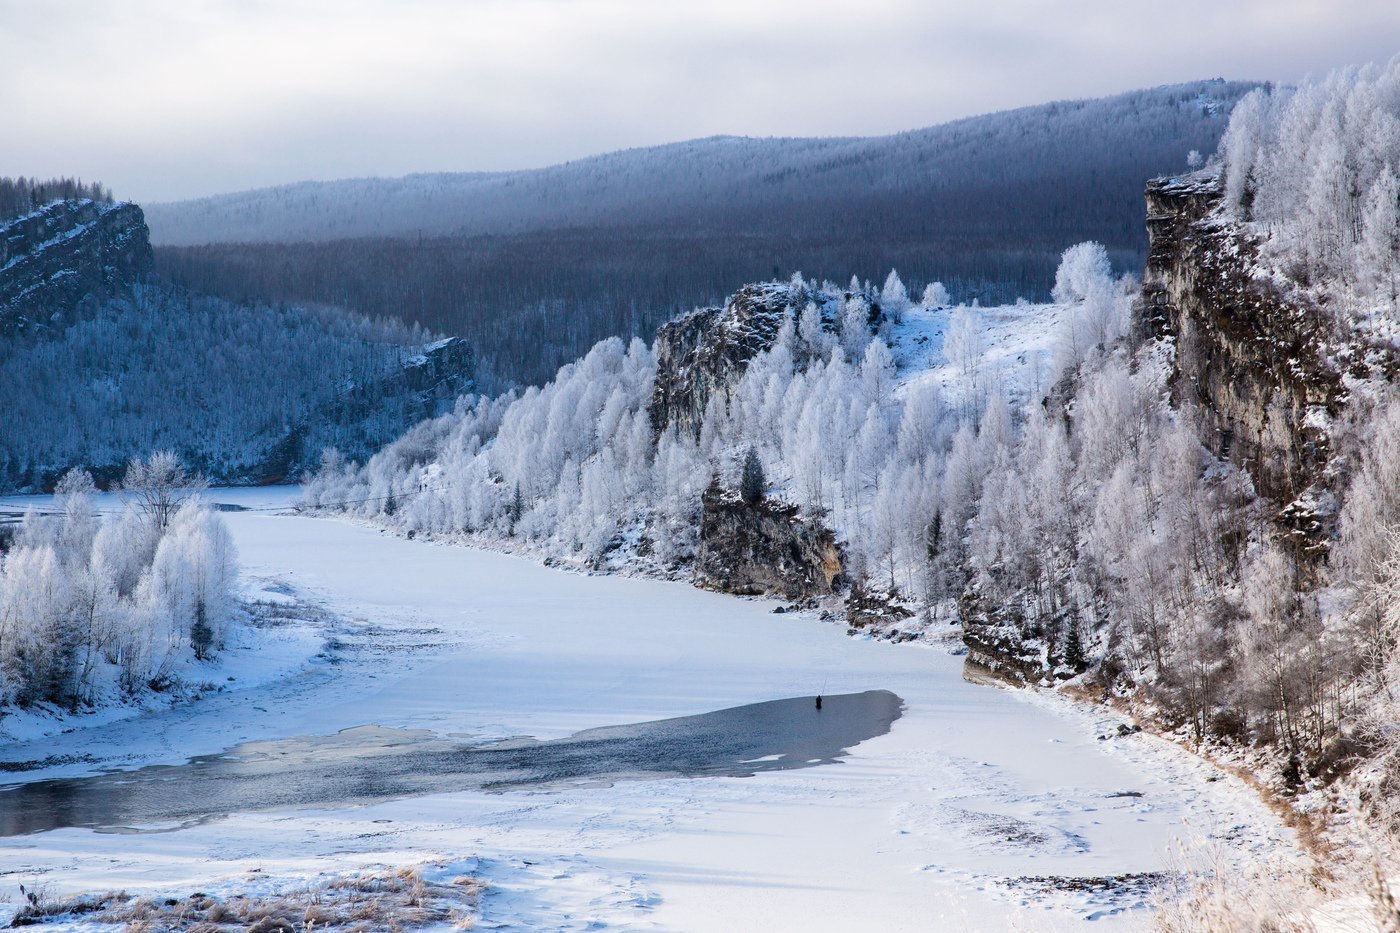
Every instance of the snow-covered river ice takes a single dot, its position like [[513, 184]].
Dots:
[[976, 808]]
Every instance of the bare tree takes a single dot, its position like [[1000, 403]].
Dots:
[[159, 485]]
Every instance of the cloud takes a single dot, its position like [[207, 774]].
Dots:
[[166, 100]]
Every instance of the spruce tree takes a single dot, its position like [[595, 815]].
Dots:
[[1074, 649], [202, 635], [751, 480], [517, 507]]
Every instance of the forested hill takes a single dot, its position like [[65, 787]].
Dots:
[[1092, 154], [618, 243], [99, 365]]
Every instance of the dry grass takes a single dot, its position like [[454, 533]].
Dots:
[[1310, 827], [363, 902], [1356, 893]]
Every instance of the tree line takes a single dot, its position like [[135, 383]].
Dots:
[[21, 195]]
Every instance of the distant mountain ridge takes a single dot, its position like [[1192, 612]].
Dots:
[[534, 267], [707, 179]]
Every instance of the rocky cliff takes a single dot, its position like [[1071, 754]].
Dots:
[[706, 352], [763, 549], [65, 254], [1258, 363], [1254, 368]]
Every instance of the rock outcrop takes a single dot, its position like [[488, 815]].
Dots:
[[1001, 653], [59, 257], [1255, 366], [428, 384], [705, 353], [1256, 363], [764, 549]]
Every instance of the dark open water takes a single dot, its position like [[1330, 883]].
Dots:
[[373, 763]]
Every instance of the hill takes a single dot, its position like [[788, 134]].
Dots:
[[535, 266], [99, 365]]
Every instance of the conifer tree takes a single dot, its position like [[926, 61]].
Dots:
[[751, 482]]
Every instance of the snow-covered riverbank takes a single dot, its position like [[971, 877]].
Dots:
[[945, 822]]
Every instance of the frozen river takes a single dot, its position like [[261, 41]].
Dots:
[[976, 808]]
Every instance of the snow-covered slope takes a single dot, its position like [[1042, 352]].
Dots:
[[1015, 346]]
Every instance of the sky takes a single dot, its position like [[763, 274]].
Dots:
[[169, 99]]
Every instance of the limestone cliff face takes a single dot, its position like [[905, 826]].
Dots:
[[763, 549], [55, 259], [1257, 364]]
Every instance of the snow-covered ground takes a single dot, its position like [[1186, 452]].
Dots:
[[927, 827], [1016, 344]]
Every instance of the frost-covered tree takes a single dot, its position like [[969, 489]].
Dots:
[[1315, 168], [935, 296], [855, 325], [1099, 305], [87, 604], [962, 348], [192, 575], [894, 298], [158, 485], [1083, 270]]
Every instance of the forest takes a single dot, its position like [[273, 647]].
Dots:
[[1315, 169]]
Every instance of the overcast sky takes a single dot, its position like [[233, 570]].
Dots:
[[167, 99]]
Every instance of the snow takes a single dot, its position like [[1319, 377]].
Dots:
[[921, 828], [1018, 343]]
